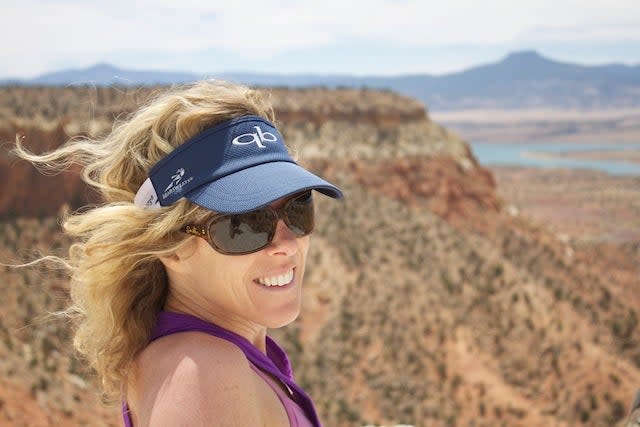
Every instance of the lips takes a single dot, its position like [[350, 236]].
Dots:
[[278, 280]]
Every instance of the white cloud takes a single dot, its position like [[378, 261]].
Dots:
[[596, 33]]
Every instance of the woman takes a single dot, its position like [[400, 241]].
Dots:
[[198, 249]]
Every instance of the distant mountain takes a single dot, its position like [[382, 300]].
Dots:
[[103, 74], [527, 79], [520, 80]]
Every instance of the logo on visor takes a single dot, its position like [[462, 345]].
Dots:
[[175, 178], [177, 184], [255, 138]]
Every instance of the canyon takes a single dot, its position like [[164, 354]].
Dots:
[[440, 292]]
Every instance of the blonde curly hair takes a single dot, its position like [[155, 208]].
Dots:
[[118, 284]]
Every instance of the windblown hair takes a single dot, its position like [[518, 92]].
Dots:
[[118, 284]]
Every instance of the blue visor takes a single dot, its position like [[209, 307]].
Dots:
[[236, 166]]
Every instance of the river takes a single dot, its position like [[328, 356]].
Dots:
[[526, 154]]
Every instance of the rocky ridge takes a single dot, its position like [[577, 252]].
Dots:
[[426, 302]]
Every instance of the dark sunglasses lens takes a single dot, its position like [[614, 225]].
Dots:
[[299, 214], [244, 232]]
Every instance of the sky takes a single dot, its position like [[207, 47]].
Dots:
[[359, 37]]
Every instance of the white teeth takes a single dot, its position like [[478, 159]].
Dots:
[[277, 280]]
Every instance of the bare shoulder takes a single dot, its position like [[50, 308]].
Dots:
[[194, 379]]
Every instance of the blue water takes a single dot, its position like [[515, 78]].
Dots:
[[514, 154]]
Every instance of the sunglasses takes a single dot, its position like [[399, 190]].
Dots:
[[245, 233]]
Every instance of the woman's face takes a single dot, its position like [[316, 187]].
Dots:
[[253, 291]]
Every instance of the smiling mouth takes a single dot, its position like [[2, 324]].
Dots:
[[281, 280]]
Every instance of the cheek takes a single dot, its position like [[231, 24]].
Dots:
[[232, 269], [209, 266], [303, 248], [305, 243]]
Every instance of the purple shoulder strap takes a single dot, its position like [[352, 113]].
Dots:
[[274, 362]]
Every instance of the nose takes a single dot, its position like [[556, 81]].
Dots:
[[284, 241]]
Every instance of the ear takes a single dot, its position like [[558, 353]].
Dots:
[[178, 261]]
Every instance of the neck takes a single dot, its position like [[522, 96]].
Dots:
[[255, 334]]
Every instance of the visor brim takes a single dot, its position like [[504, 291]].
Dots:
[[258, 186]]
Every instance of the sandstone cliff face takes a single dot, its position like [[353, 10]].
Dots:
[[425, 302], [47, 117], [27, 192], [459, 194]]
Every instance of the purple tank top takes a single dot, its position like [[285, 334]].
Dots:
[[298, 404]]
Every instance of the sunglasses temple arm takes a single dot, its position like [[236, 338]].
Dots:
[[195, 230]]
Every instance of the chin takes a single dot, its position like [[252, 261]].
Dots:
[[283, 319]]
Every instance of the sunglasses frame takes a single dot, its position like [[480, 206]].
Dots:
[[203, 230]]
